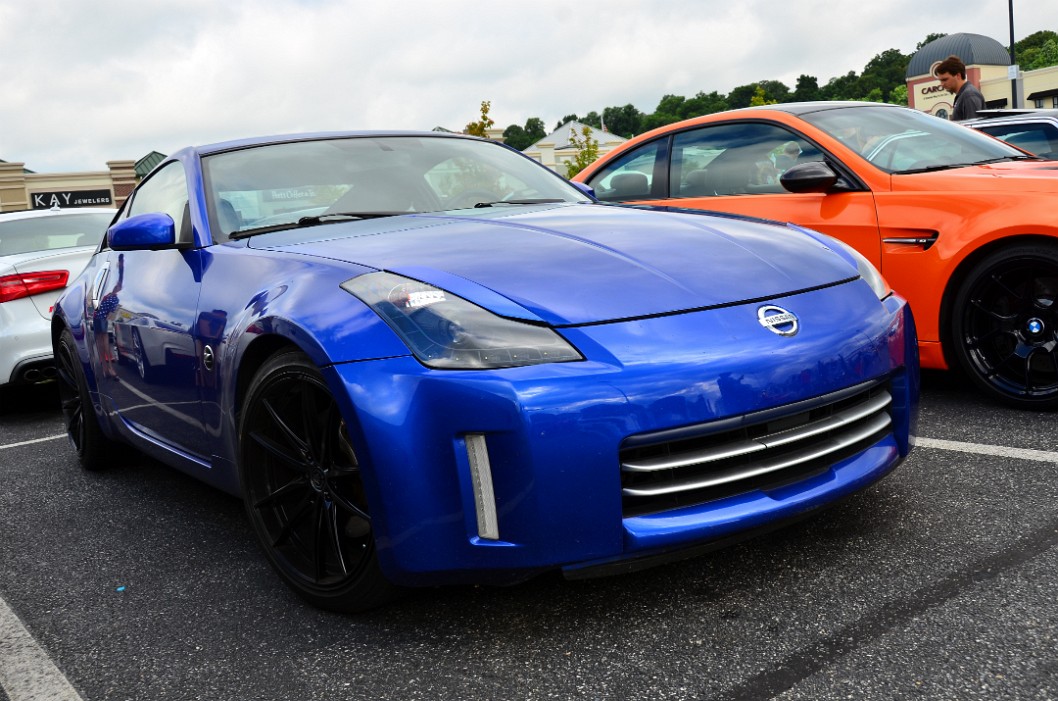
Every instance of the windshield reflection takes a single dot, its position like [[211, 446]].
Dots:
[[305, 182], [909, 141]]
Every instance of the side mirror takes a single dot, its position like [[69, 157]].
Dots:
[[589, 191], [152, 232], [815, 176]]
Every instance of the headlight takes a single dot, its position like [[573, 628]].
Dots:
[[866, 269], [445, 331]]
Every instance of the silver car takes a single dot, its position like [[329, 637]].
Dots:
[[1035, 130], [40, 252]]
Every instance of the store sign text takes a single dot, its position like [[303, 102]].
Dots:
[[72, 198]]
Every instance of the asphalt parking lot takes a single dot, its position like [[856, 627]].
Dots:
[[937, 583]]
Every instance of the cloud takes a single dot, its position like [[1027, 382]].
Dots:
[[84, 83]]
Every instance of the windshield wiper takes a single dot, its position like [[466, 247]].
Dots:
[[936, 167], [339, 216], [1019, 157], [535, 200], [325, 218], [949, 166]]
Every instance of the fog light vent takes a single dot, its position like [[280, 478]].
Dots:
[[481, 474]]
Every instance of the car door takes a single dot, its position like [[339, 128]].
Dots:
[[146, 300], [735, 167]]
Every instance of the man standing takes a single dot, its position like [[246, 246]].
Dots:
[[951, 72]]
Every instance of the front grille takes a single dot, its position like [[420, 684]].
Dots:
[[762, 450]]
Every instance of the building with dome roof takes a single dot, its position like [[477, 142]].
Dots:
[[987, 66]]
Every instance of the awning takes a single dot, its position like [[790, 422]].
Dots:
[[1042, 94]]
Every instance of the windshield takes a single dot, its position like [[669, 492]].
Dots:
[[48, 233], [908, 141], [311, 182]]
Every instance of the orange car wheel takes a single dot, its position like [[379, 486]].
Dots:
[[1005, 325]]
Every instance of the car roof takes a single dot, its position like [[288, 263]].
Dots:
[[34, 213], [1013, 117], [798, 108], [220, 146]]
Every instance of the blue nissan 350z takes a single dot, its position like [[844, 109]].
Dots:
[[425, 359]]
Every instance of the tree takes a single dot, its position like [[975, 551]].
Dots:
[[807, 89], [515, 137], [1039, 57], [885, 72], [774, 91], [658, 119], [668, 111], [875, 95], [1036, 40], [566, 120], [481, 128], [741, 95], [845, 87], [624, 121], [534, 127], [522, 138], [760, 98], [671, 104], [929, 38], [703, 104], [587, 150], [898, 96]]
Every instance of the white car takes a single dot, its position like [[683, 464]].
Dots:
[[40, 252]]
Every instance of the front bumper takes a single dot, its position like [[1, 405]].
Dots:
[[554, 433]]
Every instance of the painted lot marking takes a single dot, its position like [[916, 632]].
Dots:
[[996, 450], [35, 440], [27, 673]]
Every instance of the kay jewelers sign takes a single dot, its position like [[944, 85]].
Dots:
[[72, 198]]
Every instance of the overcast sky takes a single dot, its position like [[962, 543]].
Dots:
[[82, 82]]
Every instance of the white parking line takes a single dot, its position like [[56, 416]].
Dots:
[[996, 450], [27, 674], [35, 440]]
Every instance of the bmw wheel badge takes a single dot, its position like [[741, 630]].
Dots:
[[778, 320]]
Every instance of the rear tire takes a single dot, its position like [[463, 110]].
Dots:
[[1005, 325], [303, 491], [94, 450]]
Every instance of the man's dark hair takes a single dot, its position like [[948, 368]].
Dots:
[[952, 65]]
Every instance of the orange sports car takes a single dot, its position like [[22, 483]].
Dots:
[[961, 224]]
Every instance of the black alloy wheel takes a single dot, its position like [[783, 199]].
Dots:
[[303, 490], [94, 449], [1006, 325]]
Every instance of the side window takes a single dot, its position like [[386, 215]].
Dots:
[[165, 191], [631, 176], [1041, 139], [735, 159]]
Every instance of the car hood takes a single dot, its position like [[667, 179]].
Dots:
[[1012, 177], [578, 264]]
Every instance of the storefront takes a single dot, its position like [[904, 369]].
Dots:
[[987, 66], [22, 189]]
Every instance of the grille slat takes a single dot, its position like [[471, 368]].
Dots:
[[704, 464], [774, 440], [820, 450]]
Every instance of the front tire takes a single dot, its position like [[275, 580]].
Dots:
[[1005, 325], [303, 491]]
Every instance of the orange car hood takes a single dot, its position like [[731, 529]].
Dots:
[[1014, 177]]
